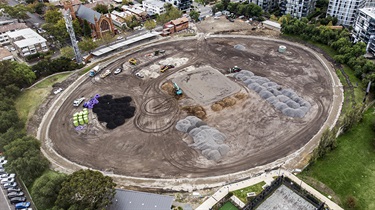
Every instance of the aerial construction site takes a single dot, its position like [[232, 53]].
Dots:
[[193, 109]]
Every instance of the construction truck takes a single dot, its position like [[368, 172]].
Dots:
[[165, 68], [234, 69], [94, 71], [177, 89], [133, 61]]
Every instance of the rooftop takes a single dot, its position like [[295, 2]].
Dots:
[[134, 200], [4, 53], [14, 26], [180, 21], [29, 36], [370, 11], [87, 14]]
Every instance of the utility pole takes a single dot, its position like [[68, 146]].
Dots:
[[69, 27]]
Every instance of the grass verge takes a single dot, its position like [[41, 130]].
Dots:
[[228, 206], [349, 170], [31, 99], [242, 193]]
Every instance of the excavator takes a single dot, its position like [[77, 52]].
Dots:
[[177, 89]]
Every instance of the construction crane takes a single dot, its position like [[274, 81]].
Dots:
[[69, 27], [177, 89]]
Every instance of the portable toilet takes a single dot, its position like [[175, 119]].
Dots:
[[282, 49]]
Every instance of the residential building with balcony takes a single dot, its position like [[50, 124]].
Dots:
[[180, 4], [297, 8], [364, 28], [266, 5], [27, 42], [154, 6], [345, 11]]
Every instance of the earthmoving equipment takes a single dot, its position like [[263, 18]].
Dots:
[[177, 89], [165, 68], [133, 61], [94, 71], [77, 102], [234, 69]]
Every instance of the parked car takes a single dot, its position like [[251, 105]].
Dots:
[[22, 205], [117, 71], [2, 162], [7, 176], [2, 158], [17, 200], [6, 180], [26, 209], [15, 194], [13, 189], [10, 184], [57, 91], [2, 171]]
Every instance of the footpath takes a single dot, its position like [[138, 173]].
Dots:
[[267, 178]]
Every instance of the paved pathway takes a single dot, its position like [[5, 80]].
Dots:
[[266, 177]]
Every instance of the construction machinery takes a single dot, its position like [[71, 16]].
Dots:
[[133, 61], [94, 71], [177, 89], [165, 68], [234, 69]]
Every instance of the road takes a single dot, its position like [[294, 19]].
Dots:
[[4, 204], [204, 10]]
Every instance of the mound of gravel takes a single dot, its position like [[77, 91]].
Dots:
[[284, 100], [207, 139], [113, 111]]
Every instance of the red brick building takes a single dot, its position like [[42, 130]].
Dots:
[[175, 26]]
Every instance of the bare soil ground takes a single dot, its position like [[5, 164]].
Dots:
[[148, 145]]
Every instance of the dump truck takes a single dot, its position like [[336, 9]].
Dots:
[[133, 61], [177, 89], [234, 69], [94, 71]]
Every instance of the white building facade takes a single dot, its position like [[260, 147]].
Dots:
[[154, 6], [27, 42], [345, 10], [364, 28]]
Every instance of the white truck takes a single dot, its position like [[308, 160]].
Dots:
[[77, 102]]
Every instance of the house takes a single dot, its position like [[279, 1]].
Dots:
[[100, 24], [154, 6], [175, 26], [4, 29], [5, 55], [138, 11], [27, 42], [364, 28], [135, 200]]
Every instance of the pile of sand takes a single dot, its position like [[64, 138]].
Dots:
[[195, 110]]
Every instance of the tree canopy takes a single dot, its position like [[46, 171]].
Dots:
[[86, 189], [170, 14], [15, 73]]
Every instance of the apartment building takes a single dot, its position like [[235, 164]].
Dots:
[[154, 6], [27, 42], [364, 28], [345, 11], [297, 8], [180, 4], [4, 29], [266, 5]]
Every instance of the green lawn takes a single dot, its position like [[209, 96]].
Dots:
[[29, 100], [242, 193], [228, 206], [349, 170]]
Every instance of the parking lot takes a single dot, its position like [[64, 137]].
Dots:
[[4, 202]]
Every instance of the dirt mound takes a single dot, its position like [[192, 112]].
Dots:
[[226, 102], [113, 111], [240, 96], [168, 87], [195, 110]]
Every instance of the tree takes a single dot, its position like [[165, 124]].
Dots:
[[101, 8], [86, 189], [150, 24], [170, 14], [18, 11], [67, 52], [25, 159], [77, 28], [39, 7], [86, 29], [87, 45], [125, 2], [10, 135], [53, 16], [194, 15], [15, 73], [46, 189]]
